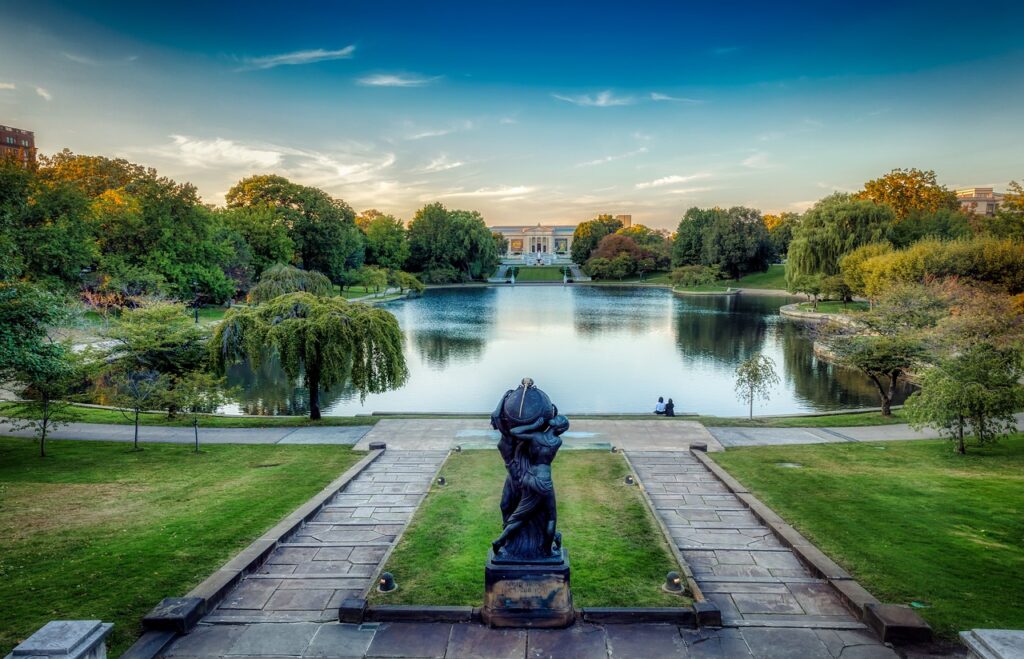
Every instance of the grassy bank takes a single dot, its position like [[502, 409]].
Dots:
[[100, 532], [539, 273], [82, 414], [911, 520], [834, 306], [617, 553], [774, 277]]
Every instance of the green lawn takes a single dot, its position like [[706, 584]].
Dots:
[[617, 553], [702, 288], [94, 415], [539, 273], [828, 420], [775, 277], [834, 306], [206, 315], [911, 521], [97, 531]]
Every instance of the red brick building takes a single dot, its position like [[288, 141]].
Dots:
[[17, 143]]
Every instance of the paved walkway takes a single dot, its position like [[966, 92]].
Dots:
[[472, 641], [335, 555], [736, 560], [730, 437], [111, 432], [641, 434]]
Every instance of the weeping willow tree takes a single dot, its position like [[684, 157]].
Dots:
[[833, 227], [328, 340], [281, 279]]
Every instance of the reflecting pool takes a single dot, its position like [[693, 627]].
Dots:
[[594, 349]]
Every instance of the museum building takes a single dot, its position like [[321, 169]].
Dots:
[[545, 243]]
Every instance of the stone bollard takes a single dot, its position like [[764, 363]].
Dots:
[[66, 639]]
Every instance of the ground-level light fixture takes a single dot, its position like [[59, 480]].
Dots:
[[386, 583], [458, 448], [441, 480], [629, 480], [615, 449], [673, 582]]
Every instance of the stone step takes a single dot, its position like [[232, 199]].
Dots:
[[813, 622], [334, 544], [318, 575], [218, 618], [731, 548], [783, 580]]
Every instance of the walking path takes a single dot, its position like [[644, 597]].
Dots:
[[739, 564], [338, 552], [111, 432], [730, 437]]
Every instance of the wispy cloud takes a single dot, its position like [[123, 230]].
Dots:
[[45, 94], [508, 121], [503, 191], [438, 132], [756, 160], [686, 192], [8, 85], [659, 97], [90, 61], [612, 158], [80, 59], [605, 99], [296, 58], [441, 164], [396, 80], [671, 180], [220, 152]]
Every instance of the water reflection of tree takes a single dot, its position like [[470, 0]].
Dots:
[[267, 390], [719, 328], [451, 325], [820, 384], [602, 310]]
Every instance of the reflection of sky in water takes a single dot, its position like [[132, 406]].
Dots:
[[592, 349]]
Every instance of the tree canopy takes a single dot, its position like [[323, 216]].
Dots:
[[327, 341], [450, 245], [908, 191], [386, 244], [834, 226], [588, 234], [281, 279]]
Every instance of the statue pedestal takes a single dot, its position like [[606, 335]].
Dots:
[[528, 594]]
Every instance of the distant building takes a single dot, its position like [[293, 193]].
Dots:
[[538, 243], [543, 243], [17, 143], [980, 201]]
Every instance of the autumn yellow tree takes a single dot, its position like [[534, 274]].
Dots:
[[909, 190]]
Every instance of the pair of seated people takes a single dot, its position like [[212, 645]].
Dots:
[[663, 408]]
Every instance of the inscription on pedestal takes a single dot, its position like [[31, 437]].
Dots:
[[528, 595]]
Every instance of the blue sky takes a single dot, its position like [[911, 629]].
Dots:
[[524, 111]]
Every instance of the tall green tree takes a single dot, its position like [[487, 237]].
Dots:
[[46, 372], [326, 340], [588, 234], [755, 378], [322, 228], [456, 241], [386, 243], [736, 242], [266, 233], [282, 279], [831, 228], [975, 392]]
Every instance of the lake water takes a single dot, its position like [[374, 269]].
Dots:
[[593, 349]]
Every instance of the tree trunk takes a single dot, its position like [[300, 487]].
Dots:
[[960, 448], [45, 421], [751, 403], [136, 429], [887, 402], [313, 380], [195, 427], [883, 395]]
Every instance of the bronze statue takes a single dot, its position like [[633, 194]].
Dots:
[[530, 428]]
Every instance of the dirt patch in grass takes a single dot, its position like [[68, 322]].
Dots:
[[32, 508]]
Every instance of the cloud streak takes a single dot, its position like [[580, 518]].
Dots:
[[659, 97], [44, 94], [441, 164], [502, 191], [8, 85], [670, 180], [613, 158], [297, 58], [396, 80], [221, 152], [605, 99]]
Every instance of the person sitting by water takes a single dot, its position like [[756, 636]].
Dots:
[[659, 407], [670, 408]]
